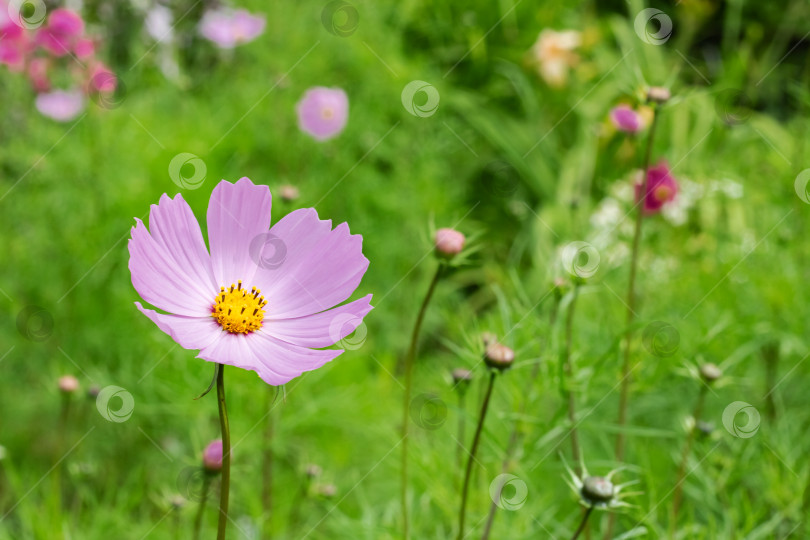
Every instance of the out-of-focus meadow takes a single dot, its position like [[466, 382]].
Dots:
[[522, 157]]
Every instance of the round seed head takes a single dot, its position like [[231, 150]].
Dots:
[[597, 490]]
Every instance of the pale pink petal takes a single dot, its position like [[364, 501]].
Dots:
[[278, 362], [189, 332], [321, 267], [60, 105], [237, 215], [169, 268], [322, 329]]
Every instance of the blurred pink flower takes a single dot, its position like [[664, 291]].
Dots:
[[60, 105], [449, 242], [661, 188], [624, 118], [68, 384], [323, 112], [101, 79], [260, 299], [61, 32], [212, 456], [38, 74], [554, 54], [84, 48], [14, 42], [228, 28]]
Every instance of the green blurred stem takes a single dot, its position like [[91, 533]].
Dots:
[[582, 524], [568, 369], [476, 439], [462, 410], [406, 400], [222, 521], [690, 437], [511, 447], [201, 509], [267, 466], [624, 394]]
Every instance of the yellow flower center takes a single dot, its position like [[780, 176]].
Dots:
[[238, 311], [662, 193], [327, 113]]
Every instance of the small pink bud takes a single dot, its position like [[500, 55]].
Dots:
[[626, 119], [288, 192], [658, 94], [68, 384], [449, 242], [499, 356], [212, 456]]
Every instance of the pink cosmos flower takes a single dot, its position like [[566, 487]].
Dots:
[[260, 299], [228, 28], [101, 79], [212, 456], [624, 118], [14, 42], [323, 112], [85, 48], [60, 105], [38, 74], [661, 188], [61, 33]]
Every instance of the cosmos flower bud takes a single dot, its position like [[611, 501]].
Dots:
[[705, 428], [625, 119], [710, 372], [328, 490], [212, 456], [449, 242], [312, 470], [499, 356], [68, 384], [288, 193], [658, 94], [177, 501], [461, 375], [597, 490], [93, 391]]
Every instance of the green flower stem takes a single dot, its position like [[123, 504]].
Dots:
[[201, 509], [568, 369], [476, 439], [624, 393], [406, 399], [267, 466], [690, 437], [582, 524], [511, 447], [222, 522]]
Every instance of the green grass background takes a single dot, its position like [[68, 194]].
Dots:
[[730, 280]]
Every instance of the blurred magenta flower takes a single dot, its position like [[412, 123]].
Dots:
[[554, 54], [85, 48], [228, 28], [260, 300], [212, 456], [661, 188], [61, 32], [14, 42], [624, 118], [323, 112], [60, 105], [449, 242], [101, 79]]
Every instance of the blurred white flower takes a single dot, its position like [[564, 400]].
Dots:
[[159, 23], [676, 212], [728, 187], [607, 215], [554, 54]]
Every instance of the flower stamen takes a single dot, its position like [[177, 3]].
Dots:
[[238, 311]]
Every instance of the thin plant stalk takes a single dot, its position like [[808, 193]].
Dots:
[[462, 410], [406, 400], [476, 440], [568, 370], [624, 393], [201, 509], [770, 355], [514, 437], [690, 438], [222, 521], [267, 465], [583, 523]]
